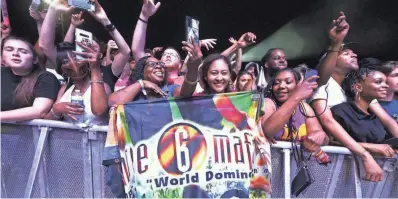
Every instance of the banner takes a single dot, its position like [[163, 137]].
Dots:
[[202, 147]]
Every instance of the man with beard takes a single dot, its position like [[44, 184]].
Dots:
[[333, 69], [274, 60]]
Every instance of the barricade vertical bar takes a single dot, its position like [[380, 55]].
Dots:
[[286, 162], [42, 177], [381, 185], [96, 164], [3, 193], [87, 167], [357, 178], [36, 161], [335, 176]]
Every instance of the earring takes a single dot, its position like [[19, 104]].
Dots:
[[357, 95]]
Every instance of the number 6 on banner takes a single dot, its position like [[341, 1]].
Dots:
[[182, 150]]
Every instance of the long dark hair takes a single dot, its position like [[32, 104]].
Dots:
[[269, 93], [23, 94], [206, 66], [240, 74]]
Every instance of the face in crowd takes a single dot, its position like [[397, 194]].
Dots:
[[284, 84], [243, 79], [275, 61], [216, 73], [172, 59], [18, 55], [371, 86], [74, 68], [154, 71], [392, 76], [251, 69], [347, 61]]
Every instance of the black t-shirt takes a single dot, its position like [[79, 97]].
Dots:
[[47, 86], [108, 76], [361, 127]]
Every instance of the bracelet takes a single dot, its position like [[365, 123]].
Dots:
[[142, 86], [331, 49], [97, 81], [189, 82], [55, 115], [142, 20], [110, 27]]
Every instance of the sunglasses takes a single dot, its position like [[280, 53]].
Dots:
[[154, 64], [171, 55]]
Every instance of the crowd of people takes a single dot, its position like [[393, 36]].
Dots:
[[349, 102]]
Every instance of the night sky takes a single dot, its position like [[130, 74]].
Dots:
[[218, 19]]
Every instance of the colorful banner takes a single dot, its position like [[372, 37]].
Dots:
[[203, 147]]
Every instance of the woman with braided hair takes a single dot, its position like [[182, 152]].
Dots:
[[362, 87]]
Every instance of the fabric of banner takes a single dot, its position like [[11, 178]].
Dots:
[[201, 147]]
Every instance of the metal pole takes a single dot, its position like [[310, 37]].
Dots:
[[335, 176], [286, 162], [36, 161]]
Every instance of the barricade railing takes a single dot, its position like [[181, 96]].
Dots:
[[42, 158]]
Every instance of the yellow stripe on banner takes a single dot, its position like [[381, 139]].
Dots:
[[111, 134]]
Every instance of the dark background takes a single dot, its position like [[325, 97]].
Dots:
[[221, 19]]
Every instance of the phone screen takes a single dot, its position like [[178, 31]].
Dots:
[[82, 4], [85, 38], [309, 73], [192, 29]]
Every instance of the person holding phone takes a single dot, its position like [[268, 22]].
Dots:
[[285, 98]]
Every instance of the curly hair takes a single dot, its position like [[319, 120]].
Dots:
[[206, 66], [367, 67], [138, 72], [269, 93]]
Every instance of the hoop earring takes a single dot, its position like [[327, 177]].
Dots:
[[357, 95]]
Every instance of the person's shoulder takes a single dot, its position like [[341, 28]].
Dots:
[[47, 75], [341, 107]]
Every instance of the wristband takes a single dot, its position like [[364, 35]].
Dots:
[[189, 82], [142, 86], [142, 20], [110, 27], [97, 81]]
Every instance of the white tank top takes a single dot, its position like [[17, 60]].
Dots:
[[89, 117]]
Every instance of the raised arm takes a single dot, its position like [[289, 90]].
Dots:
[[191, 78], [337, 33], [244, 41], [47, 33], [39, 17], [75, 21], [124, 51], [139, 36]]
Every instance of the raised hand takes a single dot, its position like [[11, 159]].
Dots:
[[92, 54], [149, 86], [111, 44], [305, 89], [232, 40], [77, 19], [149, 8], [36, 15], [157, 49], [339, 29], [246, 39], [61, 6], [208, 43], [194, 53], [99, 13]]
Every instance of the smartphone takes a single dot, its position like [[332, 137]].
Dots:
[[309, 73], [82, 4], [85, 37], [35, 4], [192, 29]]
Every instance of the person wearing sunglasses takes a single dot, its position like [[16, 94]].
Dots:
[[149, 79]]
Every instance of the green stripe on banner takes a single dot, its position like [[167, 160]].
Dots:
[[241, 101], [126, 128], [175, 111]]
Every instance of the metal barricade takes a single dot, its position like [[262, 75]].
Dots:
[[42, 158]]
